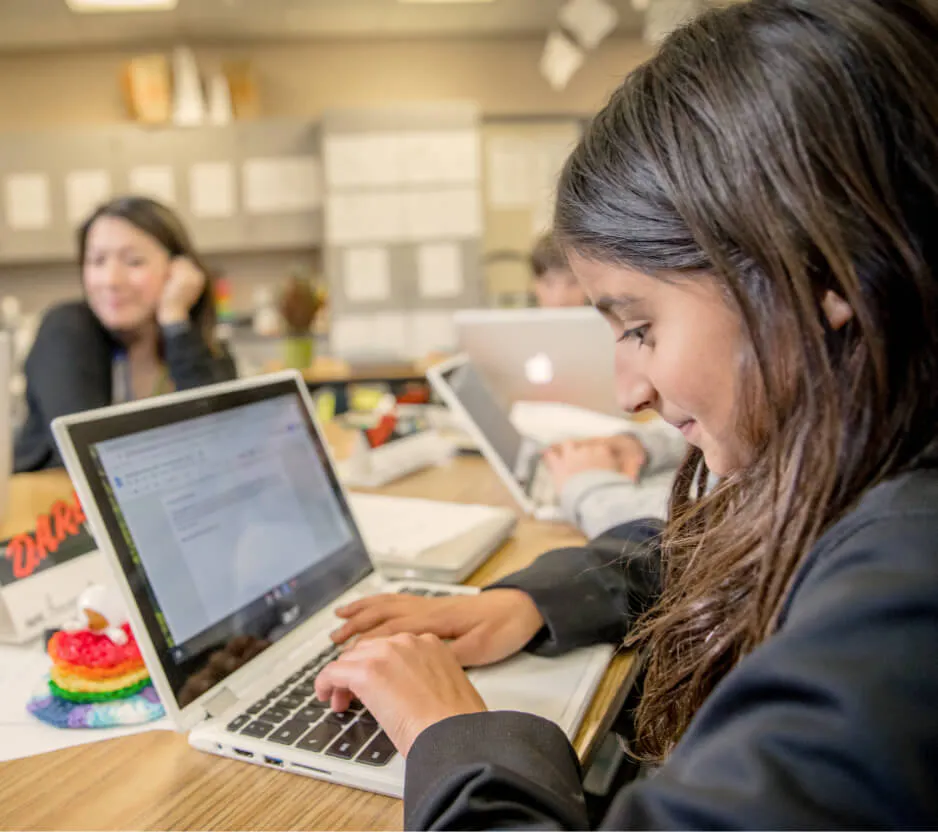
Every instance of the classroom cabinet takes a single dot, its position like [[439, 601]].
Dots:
[[254, 186]]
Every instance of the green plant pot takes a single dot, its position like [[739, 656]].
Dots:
[[298, 352]]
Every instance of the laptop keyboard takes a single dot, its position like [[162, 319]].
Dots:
[[290, 714]]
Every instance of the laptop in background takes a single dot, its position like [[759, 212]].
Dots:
[[232, 542], [514, 457], [558, 355]]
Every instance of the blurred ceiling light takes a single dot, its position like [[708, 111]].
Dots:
[[96, 6], [663, 16], [589, 21]]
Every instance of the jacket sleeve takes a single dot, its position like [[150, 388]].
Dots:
[[68, 369], [664, 444], [592, 594], [191, 362], [831, 723], [596, 501]]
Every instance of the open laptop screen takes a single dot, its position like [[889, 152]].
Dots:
[[487, 412], [227, 521]]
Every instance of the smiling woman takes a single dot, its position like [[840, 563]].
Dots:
[[146, 325]]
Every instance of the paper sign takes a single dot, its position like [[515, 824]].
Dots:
[[454, 213], [85, 190], [282, 185], [154, 181], [212, 190], [28, 201], [510, 172], [439, 270], [441, 156], [431, 332], [43, 571], [366, 274], [376, 337], [365, 218], [460, 213], [364, 159]]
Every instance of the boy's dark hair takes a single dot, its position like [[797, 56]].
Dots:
[[546, 255]]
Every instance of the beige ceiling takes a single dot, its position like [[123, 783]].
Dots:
[[45, 24]]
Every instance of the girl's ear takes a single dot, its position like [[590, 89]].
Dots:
[[837, 310]]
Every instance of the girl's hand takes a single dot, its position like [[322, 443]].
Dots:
[[408, 682], [569, 458], [482, 629]]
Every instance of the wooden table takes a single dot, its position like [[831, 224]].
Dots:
[[156, 781]]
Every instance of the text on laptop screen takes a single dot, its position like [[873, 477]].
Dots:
[[487, 412], [233, 528]]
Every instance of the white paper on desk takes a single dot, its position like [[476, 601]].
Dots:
[[21, 734], [510, 172], [439, 270], [154, 181], [212, 190], [366, 274], [429, 332], [28, 201], [85, 190], [440, 156], [282, 185]]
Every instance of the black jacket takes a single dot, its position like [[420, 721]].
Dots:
[[831, 723], [69, 371]]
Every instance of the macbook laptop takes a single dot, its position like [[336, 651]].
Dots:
[[557, 355], [517, 458], [232, 542]]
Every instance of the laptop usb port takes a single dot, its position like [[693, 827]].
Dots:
[[242, 753], [273, 761]]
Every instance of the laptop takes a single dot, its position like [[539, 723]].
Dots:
[[232, 542], [542, 354], [514, 457]]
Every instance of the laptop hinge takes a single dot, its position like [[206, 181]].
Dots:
[[220, 702]]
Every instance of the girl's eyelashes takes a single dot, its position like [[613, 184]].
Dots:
[[639, 333]]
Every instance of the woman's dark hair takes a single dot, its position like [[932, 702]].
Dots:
[[160, 223], [547, 254], [784, 149]]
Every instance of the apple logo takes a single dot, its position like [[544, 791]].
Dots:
[[538, 369]]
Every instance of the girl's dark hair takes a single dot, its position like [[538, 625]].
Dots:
[[160, 223], [547, 254], [784, 148]]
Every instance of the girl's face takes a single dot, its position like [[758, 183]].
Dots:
[[558, 288], [679, 352], [124, 273]]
